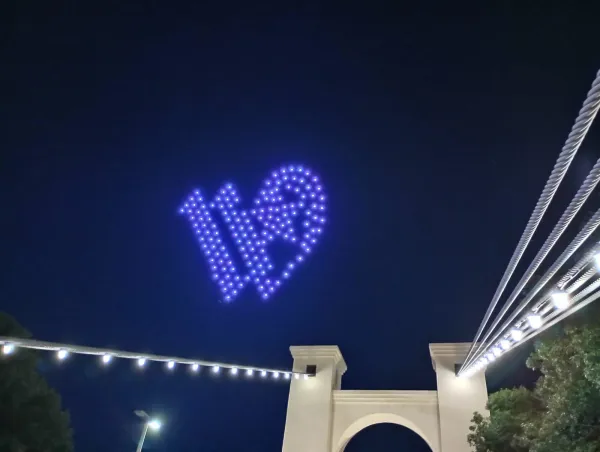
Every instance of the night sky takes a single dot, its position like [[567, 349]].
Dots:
[[433, 129]]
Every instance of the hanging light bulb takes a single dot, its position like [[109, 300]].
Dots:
[[195, 367], [263, 373], [8, 349], [249, 372], [505, 344], [141, 362], [234, 371], [171, 365], [535, 321], [561, 300], [516, 334], [106, 358], [497, 352], [597, 260], [62, 354], [215, 369]]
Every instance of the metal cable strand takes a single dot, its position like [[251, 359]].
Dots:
[[581, 237], [589, 184], [581, 280], [587, 291], [584, 293], [568, 277], [578, 266], [578, 131], [572, 288], [577, 284], [564, 314]]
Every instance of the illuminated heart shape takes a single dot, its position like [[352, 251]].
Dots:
[[290, 206]]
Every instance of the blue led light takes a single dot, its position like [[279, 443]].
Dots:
[[292, 192]]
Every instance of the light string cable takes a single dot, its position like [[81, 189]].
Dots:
[[560, 299], [590, 183], [579, 302], [581, 263], [581, 281], [578, 131], [579, 239], [10, 344], [547, 316]]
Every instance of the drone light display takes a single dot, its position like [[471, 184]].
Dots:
[[290, 206]]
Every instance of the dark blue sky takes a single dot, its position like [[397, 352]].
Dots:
[[433, 130]]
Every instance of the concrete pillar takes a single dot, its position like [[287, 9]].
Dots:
[[310, 404], [458, 398]]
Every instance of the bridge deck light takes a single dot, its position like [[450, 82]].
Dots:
[[561, 300], [535, 321], [516, 334], [597, 260]]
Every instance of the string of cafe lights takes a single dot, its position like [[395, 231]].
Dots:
[[578, 132], [10, 346]]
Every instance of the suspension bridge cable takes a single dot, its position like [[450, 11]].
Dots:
[[590, 183], [583, 279], [579, 130], [523, 327], [580, 301], [581, 237], [569, 289], [579, 265]]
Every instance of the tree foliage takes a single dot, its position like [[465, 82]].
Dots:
[[561, 413], [31, 419]]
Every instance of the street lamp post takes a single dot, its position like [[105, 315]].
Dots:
[[154, 424]]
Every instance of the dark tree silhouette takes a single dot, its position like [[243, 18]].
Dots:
[[31, 419], [562, 412]]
